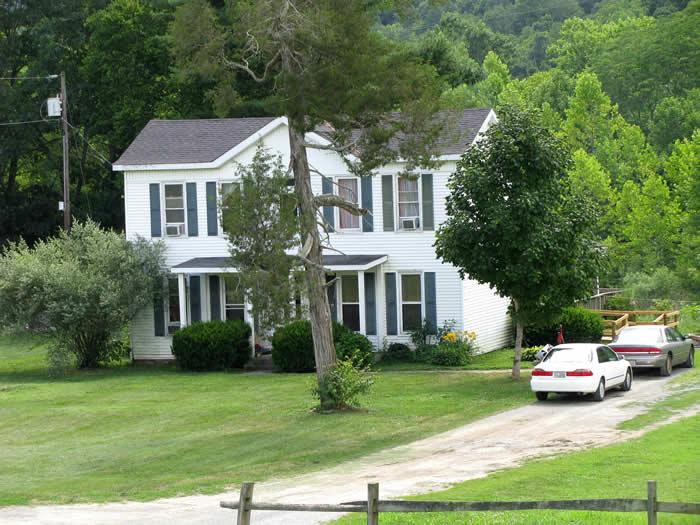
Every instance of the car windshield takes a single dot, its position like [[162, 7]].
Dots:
[[568, 355], [640, 335]]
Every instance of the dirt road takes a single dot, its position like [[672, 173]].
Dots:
[[500, 441]]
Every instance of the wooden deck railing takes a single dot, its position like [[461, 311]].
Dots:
[[615, 320], [374, 506]]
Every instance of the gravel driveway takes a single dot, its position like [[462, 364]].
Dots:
[[500, 441]]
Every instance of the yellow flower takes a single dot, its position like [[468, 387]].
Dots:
[[470, 334], [450, 337]]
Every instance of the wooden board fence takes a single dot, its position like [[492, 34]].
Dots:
[[616, 320], [374, 506]]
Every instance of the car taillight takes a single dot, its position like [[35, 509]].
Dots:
[[540, 372], [639, 349], [580, 372]]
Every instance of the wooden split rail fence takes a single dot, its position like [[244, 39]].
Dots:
[[374, 506], [616, 320]]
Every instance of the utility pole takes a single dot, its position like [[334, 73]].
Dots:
[[66, 164]]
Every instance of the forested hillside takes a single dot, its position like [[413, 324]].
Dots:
[[617, 79]]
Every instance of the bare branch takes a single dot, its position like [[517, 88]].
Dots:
[[335, 200], [243, 66]]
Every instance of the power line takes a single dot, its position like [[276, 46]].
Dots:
[[25, 122], [82, 137]]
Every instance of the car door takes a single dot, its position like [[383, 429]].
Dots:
[[673, 345], [616, 364], [681, 347], [609, 366]]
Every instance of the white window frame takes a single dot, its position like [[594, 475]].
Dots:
[[220, 200], [340, 300], [225, 305], [358, 202], [401, 302], [170, 325], [397, 214], [184, 210]]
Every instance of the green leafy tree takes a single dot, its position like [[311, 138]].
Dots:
[[674, 118], [308, 50], [484, 93], [514, 223], [79, 288]]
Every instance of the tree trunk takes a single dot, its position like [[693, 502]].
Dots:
[[319, 310], [518, 342]]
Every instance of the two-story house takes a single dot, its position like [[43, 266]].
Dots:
[[388, 276]]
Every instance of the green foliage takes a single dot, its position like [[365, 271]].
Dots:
[[214, 345], [260, 237], [423, 338], [80, 288], [646, 287], [619, 302], [354, 346], [513, 221], [450, 354], [398, 352], [530, 353], [293, 347], [343, 386], [579, 325], [690, 319], [674, 118]]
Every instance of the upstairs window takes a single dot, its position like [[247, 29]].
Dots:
[[350, 296], [408, 203], [348, 190], [174, 210]]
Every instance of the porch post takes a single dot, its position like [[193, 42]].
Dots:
[[182, 299], [381, 303], [361, 289]]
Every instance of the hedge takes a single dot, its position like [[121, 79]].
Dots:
[[214, 345], [580, 326]]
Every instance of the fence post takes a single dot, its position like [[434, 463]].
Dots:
[[372, 503], [651, 502], [244, 501]]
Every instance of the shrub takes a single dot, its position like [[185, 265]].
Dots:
[[398, 352], [355, 346], [293, 347], [215, 345], [342, 387], [530, 353], [618, 302], [580, 326], [451, 354]]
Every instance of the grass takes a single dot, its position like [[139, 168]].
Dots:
[[685, 393], [668, 455], [496, 360], [141, 433]]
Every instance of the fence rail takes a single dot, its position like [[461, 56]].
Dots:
[[616, 320], [373, 506]]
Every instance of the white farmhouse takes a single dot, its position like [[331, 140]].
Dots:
[[389, 278]]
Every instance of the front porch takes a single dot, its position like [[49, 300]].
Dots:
[[207, 290]]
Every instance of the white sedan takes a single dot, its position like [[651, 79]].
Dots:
[[581, 368]]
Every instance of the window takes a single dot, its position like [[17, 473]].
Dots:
[[350, 296], [174, 210], [347, 189], [408, 203], [606, 355], [234, 298], [411, 304], [173, 305]]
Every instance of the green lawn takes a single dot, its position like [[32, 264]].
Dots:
[[668, 455], [496, 360], [146, 432]]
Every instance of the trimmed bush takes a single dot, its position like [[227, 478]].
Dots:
[[398, 352], [451, 354], [354, 346], [215, 345], [580, 326], [293, 347]]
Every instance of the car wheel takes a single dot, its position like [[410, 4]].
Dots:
[[667, 367], [690, 362], [627, 385], [599, 394], [541, 396]]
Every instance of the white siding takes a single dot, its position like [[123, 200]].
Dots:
[[470, 305]]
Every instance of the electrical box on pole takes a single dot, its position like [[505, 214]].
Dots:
[[53, 107]]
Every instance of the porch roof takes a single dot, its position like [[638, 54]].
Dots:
[[334, 263]]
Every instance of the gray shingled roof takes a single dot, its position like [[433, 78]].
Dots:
[[205, 140], [189, 141], [215, 263]]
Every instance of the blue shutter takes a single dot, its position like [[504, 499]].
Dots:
[[192, 226], [158, 316], [332, 301], [328, 211], [214, 298], [430, 300], [370, 305], [428, 213], [391, 311], [154, 190], [388, 202], [195, 299], [366, 191], [212, 211]]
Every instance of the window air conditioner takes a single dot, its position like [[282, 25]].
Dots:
[[412, 223], [175, 230]]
